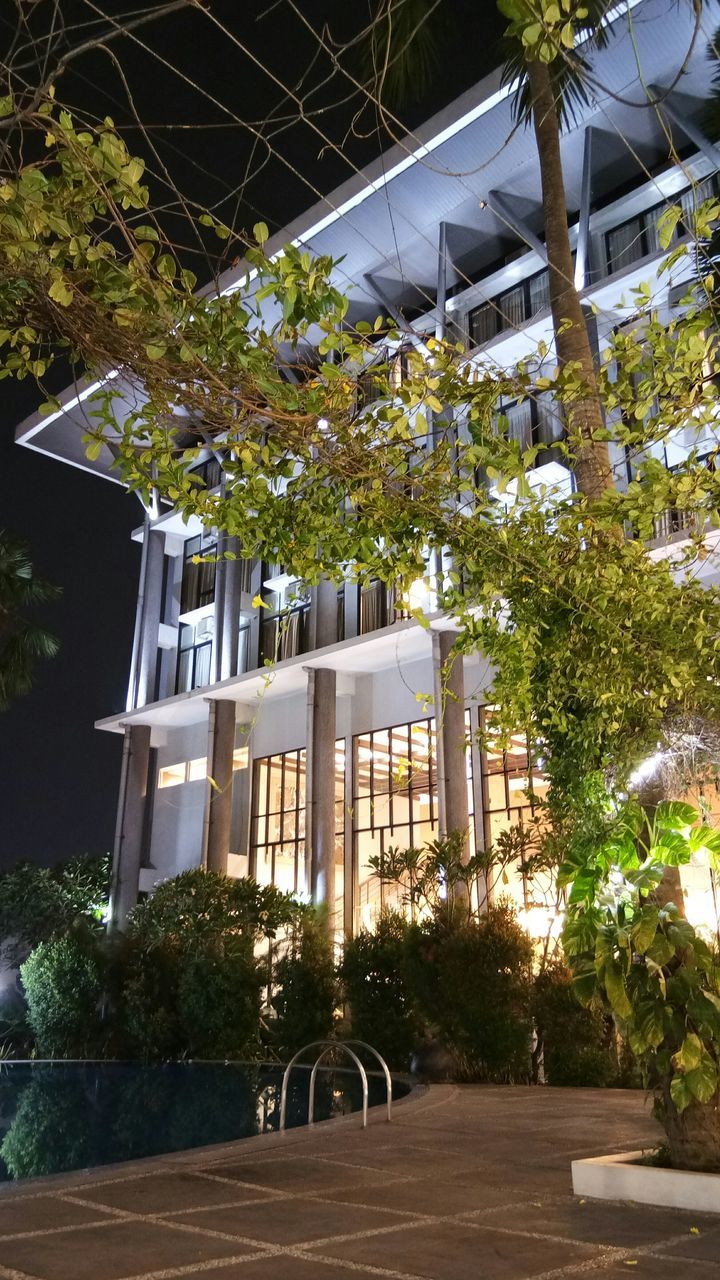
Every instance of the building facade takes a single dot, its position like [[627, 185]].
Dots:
[[299, 773]]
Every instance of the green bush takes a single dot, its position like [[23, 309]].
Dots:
[[41, 903], [305, 988], [65, 985], [191, 985], [372, 972], [472, 984], [577, 1040]]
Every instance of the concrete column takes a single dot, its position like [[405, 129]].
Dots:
[[450, 735], [150, 610], [323, 615], [320, 787], [131, 823], [228, 584], [218, 800], [351, 610]]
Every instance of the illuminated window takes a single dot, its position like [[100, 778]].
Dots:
[[197, 769], [395, 804], [172, 775], [277, 836], [511, 785], [241, 758]]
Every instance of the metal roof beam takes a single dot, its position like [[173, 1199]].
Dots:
[[501, 207], [583, 237], [678, 115]]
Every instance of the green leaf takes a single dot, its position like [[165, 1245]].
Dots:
[[680, 1092], [689, 1054], [644, 928], [156, 350], [702, 1081], [6, 105], [61, 292], [675, 815], [166, 266], [260, 232], [616, 990]]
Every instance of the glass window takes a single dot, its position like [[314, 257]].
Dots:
[[483, 323], [198, 580], [625, 244], [278, 822], [511, 784], [511, 306], [394, 805], [539, 293]]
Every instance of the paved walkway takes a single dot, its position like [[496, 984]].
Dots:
[[468, 1183]]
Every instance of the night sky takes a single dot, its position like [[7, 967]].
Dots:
[[59, 776]]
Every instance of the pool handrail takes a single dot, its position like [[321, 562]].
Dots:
[[326, 1046]]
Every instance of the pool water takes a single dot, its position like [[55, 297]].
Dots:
[[57, 1116]]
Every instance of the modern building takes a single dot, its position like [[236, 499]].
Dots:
[[335, 755]]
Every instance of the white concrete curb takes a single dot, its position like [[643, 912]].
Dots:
[[620, 1177]]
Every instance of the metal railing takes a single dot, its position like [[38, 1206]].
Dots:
[[326, 1047]]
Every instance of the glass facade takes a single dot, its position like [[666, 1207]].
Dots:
[[198, 580], [277, 834], [511, 785], [394, 804]]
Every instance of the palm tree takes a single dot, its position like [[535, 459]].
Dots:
[[22, 642], [551, 89]]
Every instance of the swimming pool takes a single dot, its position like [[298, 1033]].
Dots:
[[57, 1116]]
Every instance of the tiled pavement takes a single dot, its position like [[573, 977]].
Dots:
[[467, 1183]]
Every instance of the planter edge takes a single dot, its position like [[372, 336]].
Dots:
[[618, 1177]]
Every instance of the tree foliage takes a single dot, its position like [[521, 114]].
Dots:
[[41, 903], [658, 975], [23, 641]]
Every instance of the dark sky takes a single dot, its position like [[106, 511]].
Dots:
[[58, 776]]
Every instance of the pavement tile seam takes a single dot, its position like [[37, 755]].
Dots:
[[112, 1209], [612, 1255], [115, 1215], [57, 1231], [211, 1233], [192, 1268], [237, 1182], [365, 1268], [323, 1198]]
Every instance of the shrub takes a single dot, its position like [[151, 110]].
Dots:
[[577, 1040], [64, 982], [305, 994], [41, 903], [191, 985], [473, 985], [374, 982]]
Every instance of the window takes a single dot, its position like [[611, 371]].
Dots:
[[277, 836], [173, 775], [511, 309], [198, 580], [394, 804], [284, 628], [535, 421], [510, 785], [639, 236], [379, 606], [195, 655]]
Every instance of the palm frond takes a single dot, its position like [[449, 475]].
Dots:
[[402, 52], [23, 642], [568, 72]]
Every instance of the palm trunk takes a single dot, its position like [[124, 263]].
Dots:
[[593, 472]]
